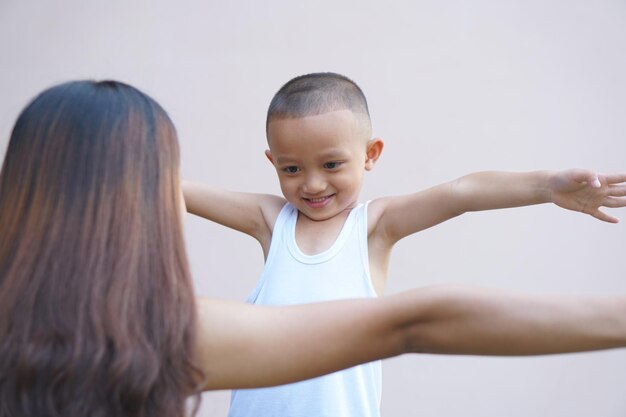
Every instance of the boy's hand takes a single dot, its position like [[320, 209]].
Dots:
[[586, 191]]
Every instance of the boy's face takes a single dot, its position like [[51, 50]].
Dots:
[[321, 159]]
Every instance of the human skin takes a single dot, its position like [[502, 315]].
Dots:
[[244, 346], [323, 158], [85, 226], [320, 161]]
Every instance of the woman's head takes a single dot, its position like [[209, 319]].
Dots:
[[96, 302]]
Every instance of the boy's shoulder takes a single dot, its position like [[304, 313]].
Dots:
[[271, 205], [376, 209], [379, 211]]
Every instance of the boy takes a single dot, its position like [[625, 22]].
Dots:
[[320, 243]]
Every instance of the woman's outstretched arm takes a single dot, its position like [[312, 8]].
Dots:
[[250, 346]]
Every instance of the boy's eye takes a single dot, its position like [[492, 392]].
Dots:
[[291, 169], [332, 165]]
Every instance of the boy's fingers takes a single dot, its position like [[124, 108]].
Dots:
[[617, 190], [615, 178], [600, 215], [614, 202]]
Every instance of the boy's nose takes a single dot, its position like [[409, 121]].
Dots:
[[314, 184]]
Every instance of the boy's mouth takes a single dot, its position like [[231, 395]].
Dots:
[[318, 202]]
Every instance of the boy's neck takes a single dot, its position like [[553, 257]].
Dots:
[[317, 236]]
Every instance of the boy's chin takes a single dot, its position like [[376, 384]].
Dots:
[[319, 215]]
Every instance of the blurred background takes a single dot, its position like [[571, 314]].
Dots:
[[453, 87]]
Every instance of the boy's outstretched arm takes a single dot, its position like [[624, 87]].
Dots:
[[575, 189], [249, 213], [243, 346]]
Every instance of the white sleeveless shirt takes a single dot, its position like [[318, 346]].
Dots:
[[292, 277]]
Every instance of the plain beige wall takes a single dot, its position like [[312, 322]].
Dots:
[[453, 87]]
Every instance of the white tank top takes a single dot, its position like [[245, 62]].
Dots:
[[292, 277]]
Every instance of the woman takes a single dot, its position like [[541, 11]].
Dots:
[[97, 311]]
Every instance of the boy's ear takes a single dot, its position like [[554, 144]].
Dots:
[[268, 155], [374, 149]]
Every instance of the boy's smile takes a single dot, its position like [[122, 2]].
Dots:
[[321, 159]]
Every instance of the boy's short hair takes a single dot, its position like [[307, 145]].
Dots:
[[317, 93]]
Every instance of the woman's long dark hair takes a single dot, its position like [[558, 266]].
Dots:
[[97, 313]]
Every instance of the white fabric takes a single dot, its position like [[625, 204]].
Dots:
[[292, 277]]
